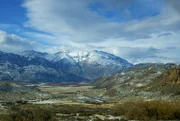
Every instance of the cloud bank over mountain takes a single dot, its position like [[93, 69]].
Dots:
[[139, 31]]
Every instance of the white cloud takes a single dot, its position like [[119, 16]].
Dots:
[[14, 43], [75, 25], [144, 55], [80, 24], [134, 54]]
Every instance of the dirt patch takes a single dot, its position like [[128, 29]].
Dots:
[[64, 89]]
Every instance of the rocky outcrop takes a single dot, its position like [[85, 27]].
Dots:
[[173, 75]]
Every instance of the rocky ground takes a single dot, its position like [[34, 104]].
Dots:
[[146, 81]]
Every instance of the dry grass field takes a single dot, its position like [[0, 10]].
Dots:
[[64, 89]]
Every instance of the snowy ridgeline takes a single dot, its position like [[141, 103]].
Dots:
[[32, 65], [91, 57]]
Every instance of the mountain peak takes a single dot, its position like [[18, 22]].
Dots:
[[33, 54], [1, 52], [98, 57]]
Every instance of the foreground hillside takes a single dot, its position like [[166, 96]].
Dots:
[[149, 81], [167, 84], [18, 92]]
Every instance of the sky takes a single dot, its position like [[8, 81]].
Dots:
[[136, 30]]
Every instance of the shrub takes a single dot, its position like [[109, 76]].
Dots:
[[153, 110], [5, 117], [31, 113]]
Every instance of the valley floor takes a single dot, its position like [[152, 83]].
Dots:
[[84, 103]]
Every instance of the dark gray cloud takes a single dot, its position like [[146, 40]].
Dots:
[[165, 34], [174, 4]]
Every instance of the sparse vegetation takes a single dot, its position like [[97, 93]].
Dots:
[[150, 110], [28, 113], [139, 110]]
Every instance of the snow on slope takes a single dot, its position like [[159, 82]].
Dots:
[[91, 57], [86, 64], [98, 58]]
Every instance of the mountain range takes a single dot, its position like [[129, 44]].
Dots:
[[37, 66]]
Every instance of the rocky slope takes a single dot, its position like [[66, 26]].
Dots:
[[167, 84], [142, 80], [12, 92], [62, 66]]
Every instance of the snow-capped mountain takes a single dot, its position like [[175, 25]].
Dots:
[[16, 67], [61, 66], [93, 57], [98, 63], [98, 58]]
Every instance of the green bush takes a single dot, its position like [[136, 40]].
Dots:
[[31, 113], [5, 117]]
